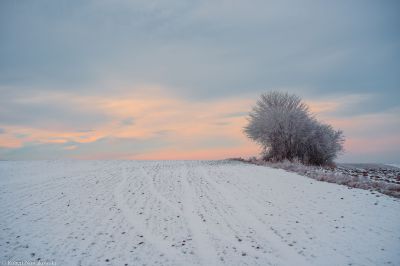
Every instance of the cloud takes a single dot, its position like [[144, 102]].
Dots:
[[103, 148], [187, 73], [162, 132], [174, 127], [21, 136], [49, 109], [161, 122], [129, 121], [85, 130], [236, 114], [221, 123], [204, 49]]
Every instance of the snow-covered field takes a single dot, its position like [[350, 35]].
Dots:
[[394, 165], [189, 213]]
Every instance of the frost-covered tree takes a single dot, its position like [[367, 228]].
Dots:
[[282, 124]]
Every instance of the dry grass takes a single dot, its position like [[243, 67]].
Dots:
[[329, 174]]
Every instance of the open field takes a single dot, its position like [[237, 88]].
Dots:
[[189, 213]]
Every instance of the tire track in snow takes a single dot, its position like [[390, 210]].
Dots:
[[222, 240], [162, 245], [157, 194], [288, 256], [197, 227]]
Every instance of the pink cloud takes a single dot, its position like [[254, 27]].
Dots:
[[186, 125]]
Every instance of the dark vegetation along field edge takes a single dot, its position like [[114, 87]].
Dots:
[[374, 177]]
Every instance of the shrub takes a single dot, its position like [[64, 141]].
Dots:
[[282, 124]]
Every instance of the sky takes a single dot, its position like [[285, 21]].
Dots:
[[176, 79]]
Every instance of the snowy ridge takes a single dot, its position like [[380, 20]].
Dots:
[[394, 165], [189, 213]]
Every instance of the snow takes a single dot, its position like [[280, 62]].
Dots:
[[394, 165], [189, 213]]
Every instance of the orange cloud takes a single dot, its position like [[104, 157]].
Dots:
[[192, 129], [187, 125]]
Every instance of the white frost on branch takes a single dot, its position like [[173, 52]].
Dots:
[[283, 125]]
